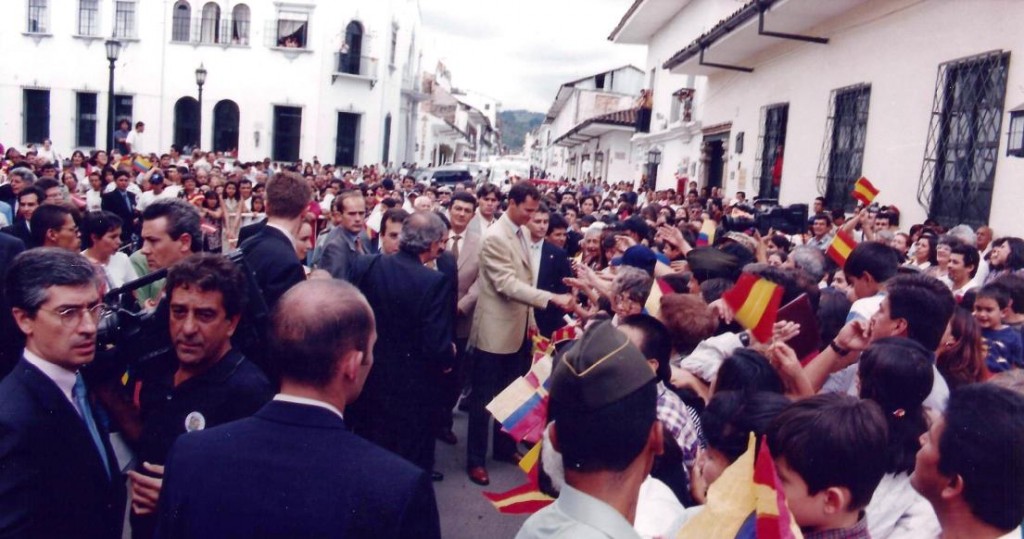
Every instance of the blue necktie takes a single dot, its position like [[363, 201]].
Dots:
[[82, 401]]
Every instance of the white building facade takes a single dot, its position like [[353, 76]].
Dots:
[[337, 81], [794, 99], [586, 133]]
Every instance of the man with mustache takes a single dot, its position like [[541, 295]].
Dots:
[[207, 383], [58, 473]]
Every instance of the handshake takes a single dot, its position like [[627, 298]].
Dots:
[[566, 302]]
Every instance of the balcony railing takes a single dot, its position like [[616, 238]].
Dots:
[[351, 65]]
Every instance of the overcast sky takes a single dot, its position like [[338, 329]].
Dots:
[[521, 51]]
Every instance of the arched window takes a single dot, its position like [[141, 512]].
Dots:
[[225, 126], [209, 31], [181, 21], [186, 122], [240, 25], [353, 49]]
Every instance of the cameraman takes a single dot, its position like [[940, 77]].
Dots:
[[202, 383]]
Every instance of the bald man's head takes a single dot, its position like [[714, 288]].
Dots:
[[314, 325]]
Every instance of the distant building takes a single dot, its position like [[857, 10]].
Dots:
[[793, 99], [287, 80], [586, 133]]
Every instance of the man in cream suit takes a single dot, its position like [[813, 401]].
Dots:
[[503, 314]]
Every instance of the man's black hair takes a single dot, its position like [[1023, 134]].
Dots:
[[656, 342], [464, 196], [520, 191], [46, 218], [731, 416], [557, 221], [983, 443], [182, 218], [874, 258], [748, 370], [925, 303], [833, 440], [211, 273]]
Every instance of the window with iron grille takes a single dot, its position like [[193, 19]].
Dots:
[[124, 19], [842, 152], [209, 28], [771, 145], [36, 115], [959, 168], [88, 17], [290, 30], [287, 133], [38, 17], [240, 24], [180, 21], [85, 120]]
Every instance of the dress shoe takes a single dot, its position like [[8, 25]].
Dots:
[[513, 458], [436, 476], [478, 475], [447, 436]]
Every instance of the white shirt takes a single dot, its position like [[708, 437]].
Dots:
[[137, 141], [535, 255], [64, 378], [286, 232], [150, 197], [308, 402]]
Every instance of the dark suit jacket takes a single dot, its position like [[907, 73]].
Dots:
[[20, 230], [271, 256], [114, 203], [292, 470], [250, 230], [11, 338], [414, 309], [339, 253], [554, 266], [7, 195], [52, 481]]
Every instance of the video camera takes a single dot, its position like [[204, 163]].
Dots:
[[130, 337], [766, 214]]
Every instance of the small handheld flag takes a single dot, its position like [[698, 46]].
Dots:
[[864, 191], [141, 164], [706, 236], [653, 304], [756, 303], [526, 498], [841, 247]]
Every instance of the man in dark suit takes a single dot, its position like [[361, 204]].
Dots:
[[294, 469], [29, 200], [122, 203], [414, 308], [553, 268], [11, 339], [58, 473], [270, 253]]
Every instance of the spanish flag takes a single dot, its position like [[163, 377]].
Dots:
[[745, 502], [864, 191], [653, 304], [706, 236], [756, 303], [526, 498], [840, 248]]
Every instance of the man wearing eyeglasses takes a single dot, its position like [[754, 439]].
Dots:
[[58, 473]]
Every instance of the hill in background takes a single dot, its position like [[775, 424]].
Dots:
[[515, 124]]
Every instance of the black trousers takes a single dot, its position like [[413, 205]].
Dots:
[[451, 385], [491, 374]]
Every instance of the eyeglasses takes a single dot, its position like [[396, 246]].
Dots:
[[72, 316]]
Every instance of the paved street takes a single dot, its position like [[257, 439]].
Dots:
[[465, 513]]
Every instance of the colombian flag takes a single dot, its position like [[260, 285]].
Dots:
[[756, 303], [526, 498], [706, 236], [745, 502], [141, 164], [653, 304], [841, 246], [864, 191]]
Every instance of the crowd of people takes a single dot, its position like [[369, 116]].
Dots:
[[305, 334]]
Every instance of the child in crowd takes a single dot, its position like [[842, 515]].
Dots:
[[1005, 350], [830, 454]]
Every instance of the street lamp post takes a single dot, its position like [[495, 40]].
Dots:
[[200, 80], [113, 51]]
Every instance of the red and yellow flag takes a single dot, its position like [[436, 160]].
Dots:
[[707, 233], [526, 498], [653, 304], [756, 304], [864, 191], [745, 502], [841, 247]]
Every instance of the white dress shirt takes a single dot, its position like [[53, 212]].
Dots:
[[535, 253], [308, 402], [64, 378]]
